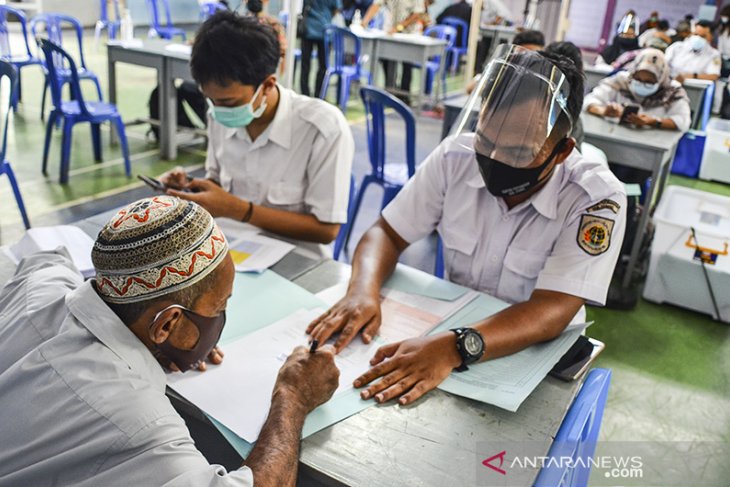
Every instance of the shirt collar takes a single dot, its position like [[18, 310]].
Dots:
[[544, 201], [94, 314], [279, 130]]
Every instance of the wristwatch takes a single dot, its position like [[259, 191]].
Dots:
[[470, 345], [694, 75], [399, 28], [658, 123]]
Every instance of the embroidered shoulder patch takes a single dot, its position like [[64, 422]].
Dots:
[[605, 205], [594, 234]]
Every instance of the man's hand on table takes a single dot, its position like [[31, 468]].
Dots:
[[308, 379], [410, 368], [354, 313]]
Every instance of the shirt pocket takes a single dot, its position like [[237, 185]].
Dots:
[[459, 248], [286, 196], [520, 271]]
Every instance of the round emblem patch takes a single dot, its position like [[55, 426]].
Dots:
[[594, 234]]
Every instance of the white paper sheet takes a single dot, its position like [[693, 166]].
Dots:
[[37, 239], [238, 393], [256, 253]]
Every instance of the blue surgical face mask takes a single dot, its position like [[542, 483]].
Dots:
[[697, 43], [643, 90], [240, 116]]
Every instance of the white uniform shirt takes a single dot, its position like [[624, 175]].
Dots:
[[682, 59], [400, 10], [604, 93], [494, 9], [83, 400], [300, 163], [508, 253]]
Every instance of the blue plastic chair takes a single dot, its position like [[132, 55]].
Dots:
[[76, 110], [459, 47], [17, 60], [334, 39], [706, 108], [7, 69], [578, 435], [344, 229], [167, 31], [438, 268], [105, 22], [53, 24], [208, 9], [433, 66], [391, 177]]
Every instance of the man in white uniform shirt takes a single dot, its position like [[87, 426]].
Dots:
[[277, 160], [81, 373], [694, 57], [522, 216]]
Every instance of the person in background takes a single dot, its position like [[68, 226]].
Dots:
[[661, 31], [83, 364], [350, 7], [683, 31], [406, 18], [695, 57], [651, 22], [626, 39], [277, 160], [461, 10], [256, 9], [522, 216], [495, 12], [570, 51], [663, 103], [723, 39], [319, 16]]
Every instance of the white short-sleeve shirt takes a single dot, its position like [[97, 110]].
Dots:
[[682, 59], [565, 238], [300, 163], [83, 400], [604, 93]]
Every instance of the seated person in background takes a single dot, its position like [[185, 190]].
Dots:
[[522, 216], [276, 159], [626, 40], [683, 31], [529, 39], [461, 10], [661, 32], [695, 57], [570, 51], [663, 102], [82, 368]]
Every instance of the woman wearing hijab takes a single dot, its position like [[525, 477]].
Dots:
[[663, 103]]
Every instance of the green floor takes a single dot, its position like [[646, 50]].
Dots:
[[671, 367]]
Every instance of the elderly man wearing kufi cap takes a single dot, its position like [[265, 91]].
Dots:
[[522, 215], [81, 373]]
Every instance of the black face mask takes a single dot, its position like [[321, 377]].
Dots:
[[503, 180], [628, 43], [209, 332]]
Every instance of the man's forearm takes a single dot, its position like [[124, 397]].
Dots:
[[294, 225], [375, 258], [274, 459], [370, 13]]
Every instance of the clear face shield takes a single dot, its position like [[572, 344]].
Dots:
[[521, 102], [629, 26]]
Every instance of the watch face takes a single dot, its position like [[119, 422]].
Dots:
[[473, 344]]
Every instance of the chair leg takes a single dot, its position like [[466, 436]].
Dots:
[[325, 85], [389, 192], [47, 143], [96, 140], [356, 209], [20, 92], [16, 192], [344, 91], [68, 126], [119, 124], [98, 88], [43, 99]]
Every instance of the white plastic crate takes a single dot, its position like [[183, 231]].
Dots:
[[674, 274], [715, 163]]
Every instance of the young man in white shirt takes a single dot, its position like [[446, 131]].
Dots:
[[522, 215], [695, 58], [276, 159]]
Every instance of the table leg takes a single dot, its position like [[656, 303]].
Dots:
[[168, 114], [112, 89], [424, 64]]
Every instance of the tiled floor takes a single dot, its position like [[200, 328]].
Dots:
[[671, 366]]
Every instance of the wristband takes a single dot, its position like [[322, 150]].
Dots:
[[249, 213]]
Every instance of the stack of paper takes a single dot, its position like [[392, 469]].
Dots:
[[37, 239], [252, 252]]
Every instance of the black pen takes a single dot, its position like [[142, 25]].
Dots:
[[313, 346]]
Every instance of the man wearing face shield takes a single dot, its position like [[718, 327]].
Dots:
[[695, 57], [82, 365], [626, 39], [522, 216]]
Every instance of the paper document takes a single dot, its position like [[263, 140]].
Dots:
[[180, 48], [78, 244], [238, 393], [256, 253], [505, 382]]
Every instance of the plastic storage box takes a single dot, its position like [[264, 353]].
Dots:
[[716, 158], [675, 272]]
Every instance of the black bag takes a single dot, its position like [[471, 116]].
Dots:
[[187, 92], [302, 20], [725, 105]]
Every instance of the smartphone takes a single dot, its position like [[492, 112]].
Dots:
[[629, 110], [153, 183]]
